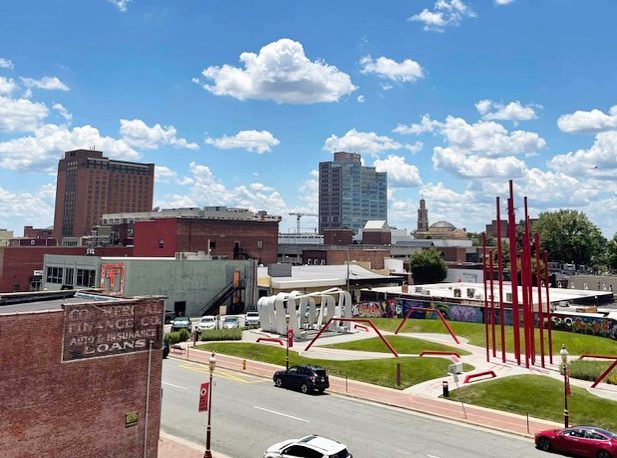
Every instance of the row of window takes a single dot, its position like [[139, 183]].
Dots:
[[61, 276]]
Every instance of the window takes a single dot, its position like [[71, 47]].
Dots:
[[594, 435], [69, 277], [161, 243], [302, 452], [54, 275], [212, 244], [85, 277], [292, 370], [573, 433]]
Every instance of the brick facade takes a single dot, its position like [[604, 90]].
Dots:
[[338, 255], [75, 409], [17, 264], [234, 239]]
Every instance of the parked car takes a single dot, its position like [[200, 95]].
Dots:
[[230, 322], [312, 446], [181, 322], [579, 440], [304, 378], [206, 323], [165, 349], [251, 319], [169, 316]]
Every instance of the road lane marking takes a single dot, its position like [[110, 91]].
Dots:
[[432, 456], [175, 386], [233, 376], [281, 414]]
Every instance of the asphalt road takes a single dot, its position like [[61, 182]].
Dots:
[[250, 414]]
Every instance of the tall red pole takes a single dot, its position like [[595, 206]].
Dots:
[[513, 275], [500, 273], [539, 286], [548, 309], [524, 286], [529, 289], [490, 257], [485, 296]]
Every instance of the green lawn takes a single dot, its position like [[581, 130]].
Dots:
[[376, 371], [541, 397], [591, 370], [575, 343], [403, 345]]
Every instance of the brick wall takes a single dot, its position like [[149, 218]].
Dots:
[[17, 264], [76, 409], [258, 239]]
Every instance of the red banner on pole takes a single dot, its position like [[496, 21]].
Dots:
[[290, 338], [203, 397]]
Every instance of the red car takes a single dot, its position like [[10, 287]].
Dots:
[[586, 441]]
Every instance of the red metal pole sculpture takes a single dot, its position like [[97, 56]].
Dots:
[[513, 275], [539, 286], [490, 257], [500, 273], [485, 296], [548, 309]]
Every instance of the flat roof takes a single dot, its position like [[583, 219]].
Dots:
[[49, 304]]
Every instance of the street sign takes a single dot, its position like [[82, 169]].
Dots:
[[290, 338], [455, 368], [203, 397], [131, 419]]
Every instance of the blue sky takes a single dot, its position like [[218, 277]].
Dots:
[[237, 102]]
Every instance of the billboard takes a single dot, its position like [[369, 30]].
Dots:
[[95, 330]]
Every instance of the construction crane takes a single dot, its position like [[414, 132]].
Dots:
[[299, 216]]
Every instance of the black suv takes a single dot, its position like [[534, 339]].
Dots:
[[305, 378]]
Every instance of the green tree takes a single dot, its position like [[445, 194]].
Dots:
[[610, 256], [427, 266], [569, 236]]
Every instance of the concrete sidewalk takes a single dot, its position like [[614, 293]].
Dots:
[[479, 416], [175, 447]]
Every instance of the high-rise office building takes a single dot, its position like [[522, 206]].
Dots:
[[90, 184], [350, 194]]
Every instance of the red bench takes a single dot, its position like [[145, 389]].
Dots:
[[479, 374], [266, 339]]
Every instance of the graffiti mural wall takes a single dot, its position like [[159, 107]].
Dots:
[[398, 307]]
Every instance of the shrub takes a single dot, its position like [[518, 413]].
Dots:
[[175, 337], [591, 370], [221, 334]]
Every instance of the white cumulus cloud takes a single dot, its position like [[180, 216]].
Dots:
[[48, 83], [588, 121], [425, 125], [384, 67], [445, 13], [400, 173], [120, 4], [513, 111], [249, 140], [503, 2], [20, 115], [138, 134], [7, 85], [599, 159], [62, 111], [47, 144], [361, 142], [6, 63], [282, 73]]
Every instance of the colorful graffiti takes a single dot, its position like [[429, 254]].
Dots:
[[392, 308], [601, 327]]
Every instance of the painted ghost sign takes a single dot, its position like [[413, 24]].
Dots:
[[111, 329]]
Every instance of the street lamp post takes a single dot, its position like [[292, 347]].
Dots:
[[212, 363], [564, 362]]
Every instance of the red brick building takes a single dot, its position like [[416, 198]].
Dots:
[[335, 255], [233, 239], [59, 403], [90, 184], [37, 233], [21, 266]]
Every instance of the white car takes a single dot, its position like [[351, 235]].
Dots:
[[230, 322], [251, 320], [207, 323], [312, 446]]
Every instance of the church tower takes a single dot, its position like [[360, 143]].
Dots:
[[422, 217]]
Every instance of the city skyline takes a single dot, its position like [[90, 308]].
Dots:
[[238, 105]]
